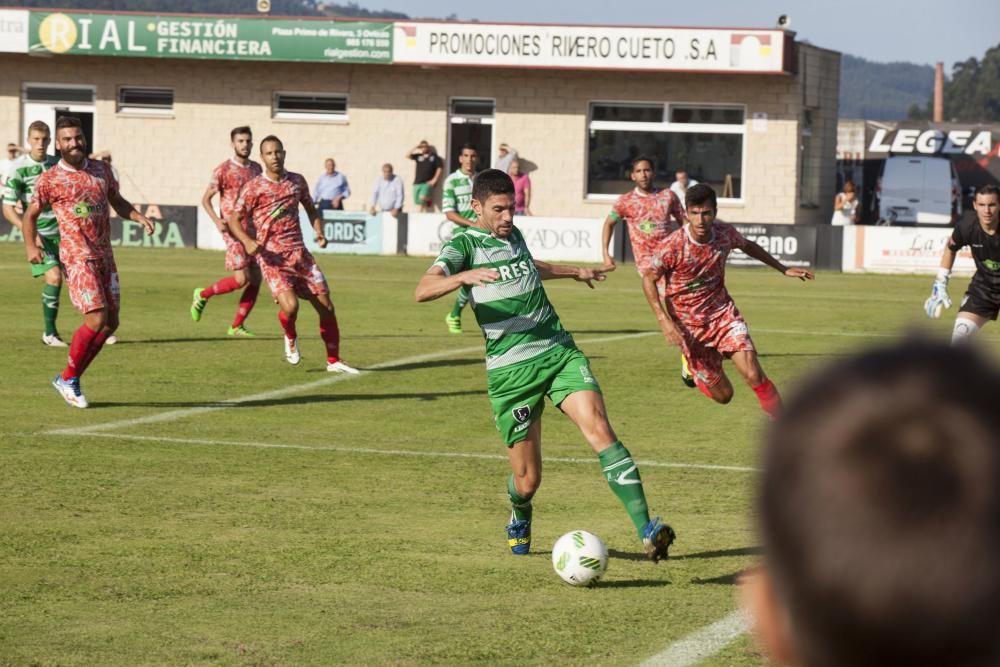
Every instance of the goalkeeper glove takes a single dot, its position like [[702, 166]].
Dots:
[[939, 298]]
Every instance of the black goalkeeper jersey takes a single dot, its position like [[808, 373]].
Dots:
[[985, 251]]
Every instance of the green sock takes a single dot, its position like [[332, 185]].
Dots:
[[623, 478], [50, 307], [463, 298], [519, 505]]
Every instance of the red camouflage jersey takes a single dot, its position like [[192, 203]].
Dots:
[[228, 178], [696, 273], [272, 207], [79, 198], [648, 217]]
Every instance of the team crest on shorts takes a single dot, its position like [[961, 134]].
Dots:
[[521, 414]]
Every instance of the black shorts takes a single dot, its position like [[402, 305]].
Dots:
[[981, 300]]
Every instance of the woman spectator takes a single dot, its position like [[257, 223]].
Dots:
[[846, 206]]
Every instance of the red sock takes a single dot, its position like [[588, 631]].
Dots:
[[95, 346], [224, 286], [247, 300], [288, 324], [768, 396], [330, 333], [78, 348]]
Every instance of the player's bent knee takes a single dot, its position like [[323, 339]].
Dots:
[[528, 482], [964, 329], [722, 394]]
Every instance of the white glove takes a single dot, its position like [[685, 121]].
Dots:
[[939, 299]]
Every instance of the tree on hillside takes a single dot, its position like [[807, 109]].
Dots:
[[973, 93]]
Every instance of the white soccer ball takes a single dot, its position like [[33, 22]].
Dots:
[[580, 558]]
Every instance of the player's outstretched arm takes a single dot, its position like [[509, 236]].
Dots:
[[761, 255], [240, 233], [29, 225], [206, 203], [317, 221], [124, 208], [663, 319], [10, 214], [939, 299], [606, 231], [548, 271], [436, 283]]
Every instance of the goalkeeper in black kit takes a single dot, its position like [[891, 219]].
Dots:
[[981, 302]]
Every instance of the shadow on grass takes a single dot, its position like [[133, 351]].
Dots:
[[162, 341], [724, 580], [627, 555], [289, 400], [634, 583], [722, 553], [420, 365]]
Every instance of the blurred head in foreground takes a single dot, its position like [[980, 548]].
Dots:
[[879, 510]]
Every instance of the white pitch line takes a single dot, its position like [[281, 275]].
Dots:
[[298, 388], [396, 452], [701, 644]]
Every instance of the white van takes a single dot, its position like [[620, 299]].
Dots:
[[918, 190]]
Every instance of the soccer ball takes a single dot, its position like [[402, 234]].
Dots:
[[580, 558]]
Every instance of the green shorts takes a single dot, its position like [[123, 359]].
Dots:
[[422, 193], [50, 252], [518, 394]]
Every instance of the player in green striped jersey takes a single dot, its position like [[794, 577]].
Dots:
[[24, 171], [529, 355], [456, 203]]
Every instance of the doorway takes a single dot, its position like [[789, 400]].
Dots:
[[471, 121], [50, 102]]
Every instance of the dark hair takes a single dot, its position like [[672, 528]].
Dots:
[[468, 147], [879, 507], [699, 195], [642, 158], [39, 126], [491, 182], [242, 129], [68, 121], [269, 138], [989, 189]]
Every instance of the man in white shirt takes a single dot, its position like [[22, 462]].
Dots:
[[681, 183], [388, 193]]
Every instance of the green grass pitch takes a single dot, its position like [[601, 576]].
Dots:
[[360, 521]]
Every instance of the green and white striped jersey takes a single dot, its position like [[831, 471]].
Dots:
[[518, 322], [457, 195], [21, 178]]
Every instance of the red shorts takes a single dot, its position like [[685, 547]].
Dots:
[[292, 270], [707, 344], [237, 258], [93, 284]]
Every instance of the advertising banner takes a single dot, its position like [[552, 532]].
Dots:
[[151, 36], [175, 227], [346, 232], [592, 47], [556, 239], [900, 250], [14, 30], [792, 245]]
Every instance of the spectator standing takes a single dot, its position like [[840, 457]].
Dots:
[[331, 188], [846, 206], [429, 168], [522, 189], [388, 193], [680, 185], [505, 155]]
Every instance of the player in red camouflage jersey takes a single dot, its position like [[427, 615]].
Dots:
[[650, 216], [227, 179], [698, 314], [80, 191], [270, 204]]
